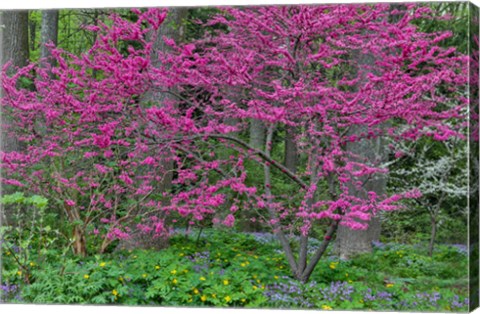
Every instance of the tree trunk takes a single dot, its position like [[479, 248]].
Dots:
[[80, 242], [14, 32], [48, 34], [291, 151], [433, 234], [257, 134], [350, 242], [172, 28]]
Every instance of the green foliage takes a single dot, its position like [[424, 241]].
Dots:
[[224, 268]]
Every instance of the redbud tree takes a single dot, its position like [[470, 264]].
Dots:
[[92, 144]]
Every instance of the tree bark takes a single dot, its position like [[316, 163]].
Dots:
[[291, 150], [350, 242], [48, 34], [257, 134], [433, 234], [14, 33], [172, 28]]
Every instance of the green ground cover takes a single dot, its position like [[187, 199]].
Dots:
[[228, 269]]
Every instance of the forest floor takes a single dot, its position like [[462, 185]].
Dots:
[[224, 268]]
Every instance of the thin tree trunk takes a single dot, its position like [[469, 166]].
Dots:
[[433, 234], [78, 233], [277, 228]]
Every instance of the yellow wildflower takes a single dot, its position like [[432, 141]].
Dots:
[[225, 282], [254, 287], [32, 264], [333, 265], [244, 300], [157, 267], [243, 264], [115, 292], [276, 277], [203, 278], [389, 285], [258, 280], [214, 295], [86, 276], [144, 275], [228, 299], [203, 298], [254, 276], [102, 264], [173, 272], [120, 278], [196, 291], [181, 254], [326, 307], [174, 281], [19, 273]]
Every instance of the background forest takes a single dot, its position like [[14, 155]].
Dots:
[[287, 157]]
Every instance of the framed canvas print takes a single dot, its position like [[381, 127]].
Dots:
[[292, 156]]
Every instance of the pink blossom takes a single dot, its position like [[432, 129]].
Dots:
[[229, 220]]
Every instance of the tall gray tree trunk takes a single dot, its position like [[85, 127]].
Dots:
[[257, 134], [173, 27], [291, 150], [14, 48], [14, 33], [350, 242], [48, 33]]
